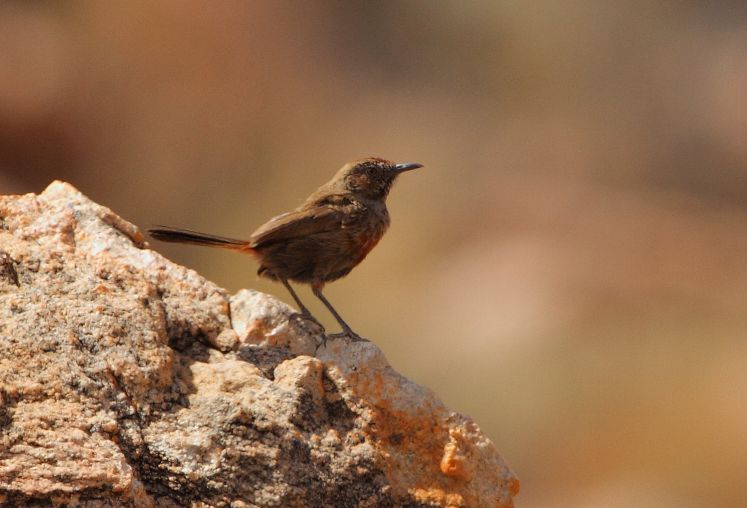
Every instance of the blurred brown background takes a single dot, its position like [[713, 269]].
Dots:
[[570, 268]]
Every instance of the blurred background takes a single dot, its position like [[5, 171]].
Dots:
[[570, 267]]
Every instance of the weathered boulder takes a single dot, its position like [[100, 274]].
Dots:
[[128, 380]]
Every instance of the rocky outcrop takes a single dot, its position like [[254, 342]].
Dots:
[[127, 380]]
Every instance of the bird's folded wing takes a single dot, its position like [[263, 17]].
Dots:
[[298, 223]]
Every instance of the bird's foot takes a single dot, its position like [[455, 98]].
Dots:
[[350, 334], [307, 318]]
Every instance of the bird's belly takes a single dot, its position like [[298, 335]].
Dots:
[[341, 253]]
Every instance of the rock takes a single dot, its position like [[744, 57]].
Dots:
[[127, 380]]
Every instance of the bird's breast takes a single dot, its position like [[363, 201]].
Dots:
[[367, 234]]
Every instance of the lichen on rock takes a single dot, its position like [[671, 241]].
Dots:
[[128, 380]]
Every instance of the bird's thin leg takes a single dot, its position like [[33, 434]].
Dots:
[[317, 289], [305, 313], [300, 304]]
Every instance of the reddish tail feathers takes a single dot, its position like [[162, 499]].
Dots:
[[175, 235]]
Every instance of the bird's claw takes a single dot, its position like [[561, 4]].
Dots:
[[323, 343], [305, 317], [304, 320], [350, 334], [308, 318]]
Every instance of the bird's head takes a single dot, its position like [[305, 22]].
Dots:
[[373, 177]]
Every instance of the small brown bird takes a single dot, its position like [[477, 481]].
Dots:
[[321, 240]]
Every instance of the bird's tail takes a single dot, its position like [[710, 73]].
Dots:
[[175, 235]]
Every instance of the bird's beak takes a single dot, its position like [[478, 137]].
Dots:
[[407, 166]]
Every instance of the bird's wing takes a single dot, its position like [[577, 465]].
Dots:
[[298, 223]]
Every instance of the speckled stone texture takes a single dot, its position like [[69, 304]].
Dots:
[[127, 380]]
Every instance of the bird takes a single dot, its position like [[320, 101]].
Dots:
[[323, 239]]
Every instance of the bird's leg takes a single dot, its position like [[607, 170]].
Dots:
[[305, 313], [317, 289]]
